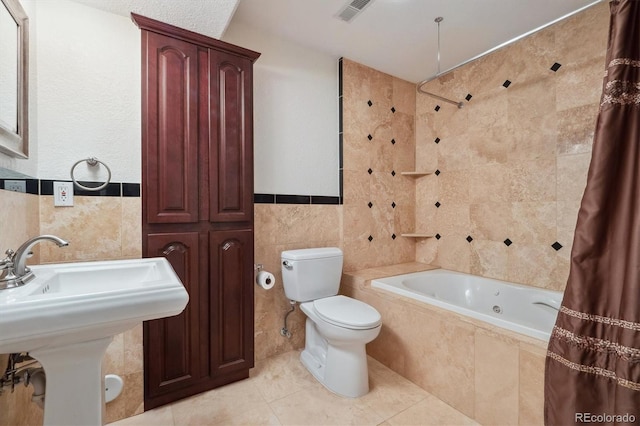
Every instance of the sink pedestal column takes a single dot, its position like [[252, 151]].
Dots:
[[75, 383]]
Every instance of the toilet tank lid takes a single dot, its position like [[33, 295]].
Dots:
[[312, 253]]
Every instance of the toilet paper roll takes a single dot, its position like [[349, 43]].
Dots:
[[265, 280]]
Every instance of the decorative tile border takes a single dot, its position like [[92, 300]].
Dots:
[[296, 199], [45, 187]]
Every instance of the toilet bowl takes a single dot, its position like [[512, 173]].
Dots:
[[337, 327], [334, 350]]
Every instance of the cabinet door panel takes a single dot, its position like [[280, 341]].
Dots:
[[170, 163], [174, 362], [231, 271], [232, 128]]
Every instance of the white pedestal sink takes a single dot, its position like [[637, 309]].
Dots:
[[66, 317]]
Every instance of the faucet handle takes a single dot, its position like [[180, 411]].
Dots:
[[7, 262]]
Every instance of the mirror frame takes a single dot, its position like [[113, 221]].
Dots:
[[16, 144]]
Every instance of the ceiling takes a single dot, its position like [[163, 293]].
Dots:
[[398, 37]]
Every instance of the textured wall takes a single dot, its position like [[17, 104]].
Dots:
[[88, 90], [378, 144], [513, 161]]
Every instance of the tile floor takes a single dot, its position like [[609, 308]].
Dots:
[[281, 392]]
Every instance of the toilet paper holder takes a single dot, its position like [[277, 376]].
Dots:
[[258, 267]]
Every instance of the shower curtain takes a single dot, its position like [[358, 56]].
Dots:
[[593, 361]]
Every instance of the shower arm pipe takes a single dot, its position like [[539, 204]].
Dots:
[[420, 85]]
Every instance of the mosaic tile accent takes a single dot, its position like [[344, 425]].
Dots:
[[507, 242], [555, 67], [556, 246], [506, 84]]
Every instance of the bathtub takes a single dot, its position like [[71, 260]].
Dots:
[[527, 310]]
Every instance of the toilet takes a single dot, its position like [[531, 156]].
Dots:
[[337, 327]]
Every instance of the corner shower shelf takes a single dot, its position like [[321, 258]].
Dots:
[[417, 235], [415, 174]]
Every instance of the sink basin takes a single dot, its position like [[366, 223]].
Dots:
[[73, 302], [67, 316]]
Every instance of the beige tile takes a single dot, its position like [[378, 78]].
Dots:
[[533, 181], [453, 219], [133, 393], [113, 360], [489, 259], [579, 83], [590, 28], [531, 393], [281, 375], [489, 182], [454, 152], [531, 138], [131, 227], [356, 187], [93, 227], [326, 409], [448, 347], [157, 417], [389, 393], [576, 128], [403, 96], [454, 253], [496, 380], [133, 350], [430, 411], [532, 98], [221, 405], [532, 264], [453, 186], [491, 221], [533, 223], [15, 232], [572, 176]]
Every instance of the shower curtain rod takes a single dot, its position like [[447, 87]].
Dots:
[[419, 86]]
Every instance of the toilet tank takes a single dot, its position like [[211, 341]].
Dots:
[[310, 274]]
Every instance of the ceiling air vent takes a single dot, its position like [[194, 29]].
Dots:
[[352, 9]]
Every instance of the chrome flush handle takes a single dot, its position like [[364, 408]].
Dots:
[[287, 265]]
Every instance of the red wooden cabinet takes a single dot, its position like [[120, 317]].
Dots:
[[197, 198]]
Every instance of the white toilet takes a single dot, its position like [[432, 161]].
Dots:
[[337, 327]]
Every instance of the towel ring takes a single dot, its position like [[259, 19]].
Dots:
[[91, 161]]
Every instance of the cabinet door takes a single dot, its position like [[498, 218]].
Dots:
[[170, 136], [175, 362], [231, 165], [231, 275]]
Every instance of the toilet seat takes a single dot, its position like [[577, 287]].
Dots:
[[346, 312]]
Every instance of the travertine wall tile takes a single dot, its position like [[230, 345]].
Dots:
[[496, 379], [379, 144], [280, 227], [517, 153], [531, 393]]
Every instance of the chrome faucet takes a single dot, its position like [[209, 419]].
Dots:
[[17, 273]]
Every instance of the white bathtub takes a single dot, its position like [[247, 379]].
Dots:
[[526, 310]]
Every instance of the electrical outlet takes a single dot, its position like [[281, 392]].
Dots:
[[62, 194], [15, 185]]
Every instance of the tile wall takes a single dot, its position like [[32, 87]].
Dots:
[[377, 144], [512, 162], [280, 227]]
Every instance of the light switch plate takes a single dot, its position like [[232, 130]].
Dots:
[[62, 194]]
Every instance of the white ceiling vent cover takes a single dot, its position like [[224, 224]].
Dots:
[[352, 9]]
